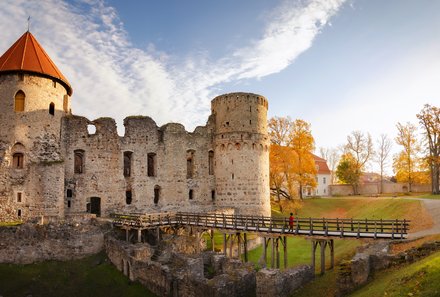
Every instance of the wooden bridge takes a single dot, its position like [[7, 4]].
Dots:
[[321, 231]]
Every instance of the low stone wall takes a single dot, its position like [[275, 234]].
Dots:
[[375, 257], [374, 189], [29, 243], [274, 282]]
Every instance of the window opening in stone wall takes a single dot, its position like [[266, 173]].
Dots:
[[232, 176], [65, 103], [78, 161], [189, 164], [54, 83], [69, 203], [213, 195], [17, 161], [19, 213], [19, 101], [211, 162], [52, 108], [151, 164], [191, 194], [127, 163], [128, 197], [19, 196], [156, 195], [69, 193], [91, 129]]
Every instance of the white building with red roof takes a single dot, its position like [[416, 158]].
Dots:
[[323, 179]]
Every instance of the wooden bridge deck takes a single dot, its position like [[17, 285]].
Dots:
[[357, 228]]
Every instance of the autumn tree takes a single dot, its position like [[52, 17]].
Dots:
[[406, 162], [348, 171], [281, 171], [303, 144], [301, 170], [360, 147], [429, 119], [382, 153], [280, 130], [331, 155]]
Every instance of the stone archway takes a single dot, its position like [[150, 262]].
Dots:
[[95, 206]]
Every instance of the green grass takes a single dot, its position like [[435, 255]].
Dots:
[[12, 223], [417, 279], [93, 276], [427, 196]]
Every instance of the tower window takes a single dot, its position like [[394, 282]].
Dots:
[[191, 194], [213, 195], [17, 161], [128, 197], [19, 101], [19, 213], [69, 193], [151, 164], [78, 161], [19, 197], [156, 195], [189, 164], [69, 203], [211, 162], [52, 108], [127, 163]]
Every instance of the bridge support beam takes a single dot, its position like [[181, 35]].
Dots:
[[323, 243], [275, 259]]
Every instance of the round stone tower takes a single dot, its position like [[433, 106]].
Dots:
[[34, 96], [242, 153]]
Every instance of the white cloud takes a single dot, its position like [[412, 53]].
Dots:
[[111, 77]]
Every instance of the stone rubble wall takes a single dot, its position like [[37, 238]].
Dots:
[[274, 282], [375, 257], [31, 243]]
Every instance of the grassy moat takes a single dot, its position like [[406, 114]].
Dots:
[[93, 276]]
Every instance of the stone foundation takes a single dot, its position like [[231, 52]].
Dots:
[[31, 243]]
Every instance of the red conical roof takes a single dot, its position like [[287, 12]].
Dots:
[[27, 55]]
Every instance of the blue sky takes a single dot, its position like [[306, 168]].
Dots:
[[340, 65]]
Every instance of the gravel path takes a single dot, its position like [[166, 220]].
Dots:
[[433, 207]]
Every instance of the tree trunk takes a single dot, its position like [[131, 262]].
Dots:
[[435, 175], [300, 191]]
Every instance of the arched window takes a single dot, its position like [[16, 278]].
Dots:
[[127, 163], [19, 101], [79, 161], [52, 108], [17, 160], [156, 195], [211, 162], [151, 166]]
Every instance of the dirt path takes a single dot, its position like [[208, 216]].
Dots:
[[433, 208]]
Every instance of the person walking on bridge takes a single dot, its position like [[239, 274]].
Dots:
[[291, 219]]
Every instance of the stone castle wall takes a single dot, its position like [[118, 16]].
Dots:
[[222, 164], [35, 188]]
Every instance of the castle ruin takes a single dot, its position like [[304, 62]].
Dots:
[[52, 166]]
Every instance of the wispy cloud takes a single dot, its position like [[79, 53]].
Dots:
[[113, 78]]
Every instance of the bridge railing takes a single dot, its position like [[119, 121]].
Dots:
[[303, 226]]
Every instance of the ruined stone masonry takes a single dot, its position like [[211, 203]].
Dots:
[[52, 166]]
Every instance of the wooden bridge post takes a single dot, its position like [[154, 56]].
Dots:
[[238, 236], [314, 243], [127, 235], [231, 243], [245, 247], [272, 262], [277, 245], [322, 244], [332, 253], [225, 244], [265, 251], [285, 251]]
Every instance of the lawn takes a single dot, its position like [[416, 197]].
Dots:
[[417, 279], [93, 276]]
